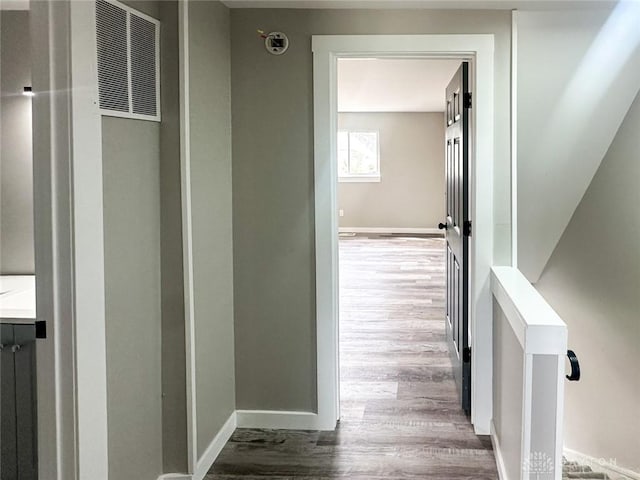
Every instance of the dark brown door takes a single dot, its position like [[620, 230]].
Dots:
[[458, 230]]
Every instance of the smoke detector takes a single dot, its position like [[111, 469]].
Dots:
[[276, 43]]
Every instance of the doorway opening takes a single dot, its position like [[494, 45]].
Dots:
[[478, 51], [402, 160], [18, 405]]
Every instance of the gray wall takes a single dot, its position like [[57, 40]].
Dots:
[[575, 86], [143, 257], [16, 162], [273, 213], [143, 279], [130, 155], [593, 281], [210, 142], [174, 387], [411, 188]]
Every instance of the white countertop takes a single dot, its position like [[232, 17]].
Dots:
[[17, 298]]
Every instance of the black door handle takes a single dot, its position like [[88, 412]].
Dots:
[[575, 366], [442, 226]]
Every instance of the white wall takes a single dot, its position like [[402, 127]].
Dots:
[[411, 188], [593, 281], [578, 72], [508, 366], [16, 162]]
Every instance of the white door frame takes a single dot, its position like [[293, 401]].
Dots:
[[49, 28], [69, 243], [326, 51]]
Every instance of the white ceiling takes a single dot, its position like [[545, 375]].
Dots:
[[419, 4], [393, 85]]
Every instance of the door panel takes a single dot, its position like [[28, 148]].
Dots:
[[18, 439], [457, 192]]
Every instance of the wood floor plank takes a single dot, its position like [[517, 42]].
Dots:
[[400, 414]]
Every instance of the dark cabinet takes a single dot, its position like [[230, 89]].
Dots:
[[18, 440]]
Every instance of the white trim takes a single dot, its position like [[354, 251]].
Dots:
[[269, 419], [514, 138], [128, 39], [480, 50], [136, 12], [210, 455], [277, 420], [537, 326], [215, 447], [131, 116], [359, 179], [187, 236], [559, 436], [527, 400], [391, 230], [601, 465], [497, 450], [88, 248], [52, 228]]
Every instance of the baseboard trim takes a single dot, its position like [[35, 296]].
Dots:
[[601, 465], [270, 419], [502, 471], [390, 230], [277, 420], [215, 447]]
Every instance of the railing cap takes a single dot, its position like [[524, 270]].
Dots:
[[539, 329]]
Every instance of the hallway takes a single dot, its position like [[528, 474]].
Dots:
[[399, 410]]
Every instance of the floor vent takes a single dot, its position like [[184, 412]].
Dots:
[[128, 58]]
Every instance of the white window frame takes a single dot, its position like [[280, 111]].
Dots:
[[360, 177]]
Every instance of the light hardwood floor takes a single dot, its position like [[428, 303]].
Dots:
[[400, 414]]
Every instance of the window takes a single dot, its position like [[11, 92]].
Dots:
[[358, 156]]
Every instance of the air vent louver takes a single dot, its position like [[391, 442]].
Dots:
[[128, 56], [143, 66], [112, 57]]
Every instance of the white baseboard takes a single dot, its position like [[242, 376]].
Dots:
[[277, 420], [270, 419], [389, 230], [614, 471], [502, 471], [215, 447], [210, 454]]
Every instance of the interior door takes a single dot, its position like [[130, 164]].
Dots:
[[457, 230]]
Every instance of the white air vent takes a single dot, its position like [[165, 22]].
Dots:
[[128, 50]]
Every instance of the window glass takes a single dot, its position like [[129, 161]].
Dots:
[[358, 154]]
